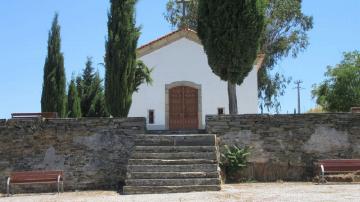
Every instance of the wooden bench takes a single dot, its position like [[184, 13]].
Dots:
[[34, 115], [337, 166], [36, 177]]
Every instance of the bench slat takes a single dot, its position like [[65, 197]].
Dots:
[[340, 161], [35, 115], [37, 172], [31, 174], [33, 181]]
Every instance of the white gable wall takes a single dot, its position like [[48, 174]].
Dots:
[[185, 60]]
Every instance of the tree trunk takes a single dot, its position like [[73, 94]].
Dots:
[[233, 109]]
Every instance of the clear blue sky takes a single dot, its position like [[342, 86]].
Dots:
[[24, 27]]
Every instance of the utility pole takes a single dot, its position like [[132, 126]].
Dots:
[[298, 87]]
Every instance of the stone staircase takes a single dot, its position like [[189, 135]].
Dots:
[[173, 164]]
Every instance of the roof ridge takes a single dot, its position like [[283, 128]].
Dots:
[[167, 39]]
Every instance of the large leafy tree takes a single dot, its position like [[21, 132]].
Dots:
[[73, 102], [230, 32], [341, 89], [174, 14], [120, 59], [91, 92], [285, 34], [53, 98]]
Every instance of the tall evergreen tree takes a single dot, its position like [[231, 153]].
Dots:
[[91, 92], [73, 102], [88, 93], [53, 98], [230, 32], [98, 105], [120, 57]]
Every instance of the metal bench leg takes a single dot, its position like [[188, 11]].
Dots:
[[58, 184], [8, 187], [322, 175]]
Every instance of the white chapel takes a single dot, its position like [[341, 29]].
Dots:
[[184, 87]]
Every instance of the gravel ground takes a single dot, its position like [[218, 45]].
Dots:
[[233, 192]]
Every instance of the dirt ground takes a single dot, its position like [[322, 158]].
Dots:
[[234, 192]]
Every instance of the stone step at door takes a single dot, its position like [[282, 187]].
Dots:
[[176, 140]]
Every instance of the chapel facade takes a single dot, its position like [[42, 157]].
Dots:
[[184, 87]]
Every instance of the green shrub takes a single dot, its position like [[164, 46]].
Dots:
[[234, 159]]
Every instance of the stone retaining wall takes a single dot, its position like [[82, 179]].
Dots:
[[284, 147], [93, 152]]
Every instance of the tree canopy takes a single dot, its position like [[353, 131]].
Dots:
[[341, 89], [230, 32], [53, 98]]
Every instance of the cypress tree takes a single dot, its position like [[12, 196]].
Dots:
[[97, 108], [78, 81], [73, 102], [120, 57], [53, 97], [230, 32], [91, 92], [88, 92]]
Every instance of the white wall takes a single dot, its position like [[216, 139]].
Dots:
[[185, 60]]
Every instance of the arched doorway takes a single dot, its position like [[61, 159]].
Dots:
[[183, 105]]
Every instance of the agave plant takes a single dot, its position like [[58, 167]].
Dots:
[[234, 158]]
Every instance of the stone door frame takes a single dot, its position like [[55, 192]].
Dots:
[[167, 105]]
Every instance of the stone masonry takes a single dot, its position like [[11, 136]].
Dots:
[[284, 147], [93, 152]]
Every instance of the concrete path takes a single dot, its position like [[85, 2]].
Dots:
[[237, 192]]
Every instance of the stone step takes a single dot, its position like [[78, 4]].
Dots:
[[169, 189], [168, 132], [173, 163], [171, 175], [175, 155], [170, 161], [176, 140], [174, 168], [173, 182], [165, 149]]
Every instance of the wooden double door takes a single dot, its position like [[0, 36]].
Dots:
[[183, 108]]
